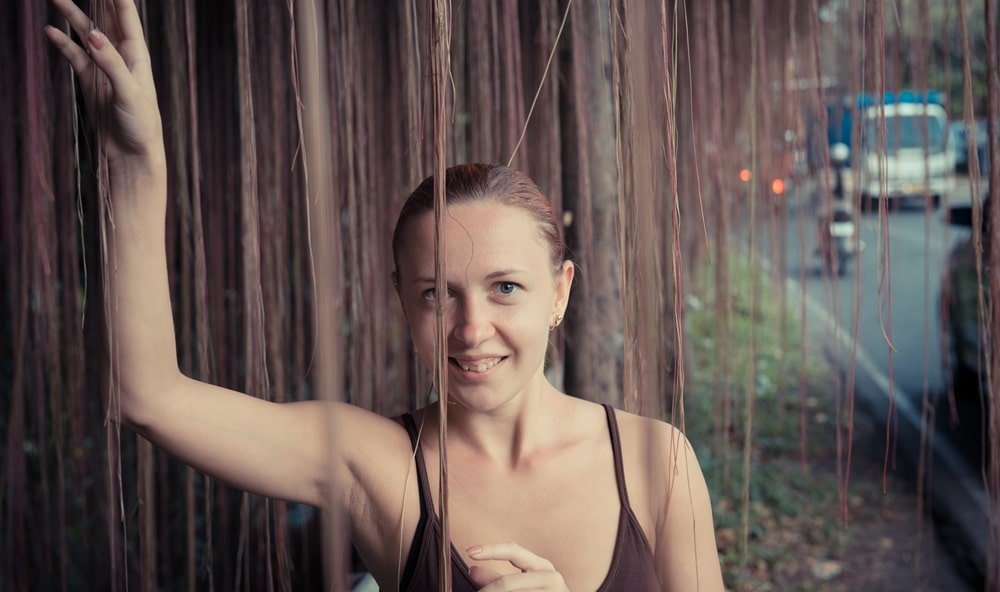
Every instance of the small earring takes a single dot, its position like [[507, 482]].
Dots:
[[555, 324]]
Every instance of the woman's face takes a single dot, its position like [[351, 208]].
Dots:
[[503, 296]]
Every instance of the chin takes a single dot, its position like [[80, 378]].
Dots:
[[487, 397]]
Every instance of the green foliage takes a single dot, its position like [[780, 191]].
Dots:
[[791, 506]]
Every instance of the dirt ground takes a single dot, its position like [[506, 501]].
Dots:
[[887, 546]]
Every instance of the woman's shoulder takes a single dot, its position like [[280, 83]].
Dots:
[[636, 432], [649, 430], [653, 451]]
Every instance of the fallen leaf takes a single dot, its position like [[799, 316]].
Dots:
[[825, 569]]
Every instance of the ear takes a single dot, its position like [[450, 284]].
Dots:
[[564, 284]]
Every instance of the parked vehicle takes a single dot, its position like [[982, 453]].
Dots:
[[959, 143], [913, 159], [960, 291]]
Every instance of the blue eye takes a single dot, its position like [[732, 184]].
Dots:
[[507, 288]]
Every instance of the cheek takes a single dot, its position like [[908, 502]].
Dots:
[[529, 327], [421, 326], [422, 331], [524, 326]]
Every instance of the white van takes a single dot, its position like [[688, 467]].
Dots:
[[914, 162]]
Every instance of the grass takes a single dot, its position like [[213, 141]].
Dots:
[[793, 523], [796, 536]]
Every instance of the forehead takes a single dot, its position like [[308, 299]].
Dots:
[[480, 237]]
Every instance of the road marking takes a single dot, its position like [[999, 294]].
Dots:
[[914, 239], [942, 452], [901, 399]]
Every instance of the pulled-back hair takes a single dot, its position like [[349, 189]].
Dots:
[[467, 183]]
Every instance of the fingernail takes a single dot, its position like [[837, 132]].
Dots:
[[474, 550], [97, 39]]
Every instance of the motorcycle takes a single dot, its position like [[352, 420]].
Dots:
[[837, 243], [837, 227]]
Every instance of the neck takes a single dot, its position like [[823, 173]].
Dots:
[[512, 433]]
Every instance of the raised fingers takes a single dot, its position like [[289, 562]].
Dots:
[[100, 49], [107, 58], [126, 33], [122, 98], [76, 18], [73, 52], [128, 21]]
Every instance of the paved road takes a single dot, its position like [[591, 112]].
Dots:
[[890, 292], [889, 296]]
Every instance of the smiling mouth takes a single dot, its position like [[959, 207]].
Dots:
[[479, 366]]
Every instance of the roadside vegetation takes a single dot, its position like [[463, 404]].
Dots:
[[794, 530]]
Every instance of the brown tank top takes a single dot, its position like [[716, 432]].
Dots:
[[632, 566]]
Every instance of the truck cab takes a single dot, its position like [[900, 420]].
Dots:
[[914, 161], [911, 159]]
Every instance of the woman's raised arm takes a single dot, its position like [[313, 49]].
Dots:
[[270, 449]]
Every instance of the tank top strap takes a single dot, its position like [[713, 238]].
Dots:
[[616, 450], [425, 489]]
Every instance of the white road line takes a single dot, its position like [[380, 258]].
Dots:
[[901, 399], [920, 241]]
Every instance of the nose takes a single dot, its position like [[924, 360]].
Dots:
[[473, 323]]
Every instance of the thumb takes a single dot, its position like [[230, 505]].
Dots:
[[482, 576]]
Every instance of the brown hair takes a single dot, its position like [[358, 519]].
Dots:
[[468, 183]]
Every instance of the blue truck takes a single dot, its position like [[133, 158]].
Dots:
[[911, 159]]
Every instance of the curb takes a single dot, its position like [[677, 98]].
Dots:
[[957, 492]]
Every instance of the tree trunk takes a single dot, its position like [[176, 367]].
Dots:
[[593, 323]]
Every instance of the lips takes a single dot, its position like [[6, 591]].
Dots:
[[478, 365]]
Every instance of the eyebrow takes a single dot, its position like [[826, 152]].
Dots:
[[504, 272], [489, 276]]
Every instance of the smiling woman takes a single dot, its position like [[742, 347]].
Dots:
[[508, 283], [528, 463], [551, 492]]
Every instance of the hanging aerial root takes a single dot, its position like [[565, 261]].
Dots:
[[440, 66]]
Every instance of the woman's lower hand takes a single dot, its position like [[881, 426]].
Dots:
[[537, 573], [116, 80]]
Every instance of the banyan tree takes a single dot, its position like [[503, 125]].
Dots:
[[294, 130]]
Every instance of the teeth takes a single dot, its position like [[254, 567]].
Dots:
[[481, 367]]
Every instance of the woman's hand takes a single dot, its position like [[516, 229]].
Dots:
[[117, 83], [537, 573]]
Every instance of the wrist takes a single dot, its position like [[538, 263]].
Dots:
[[138, 186], [138, 192], [142, 170]]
